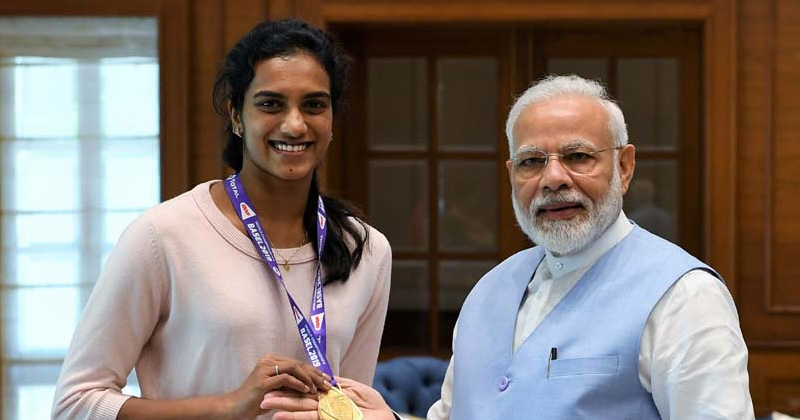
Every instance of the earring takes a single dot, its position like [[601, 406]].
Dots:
[[331, 136]]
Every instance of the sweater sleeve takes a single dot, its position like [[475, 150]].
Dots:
[[359, 360], [125, 306]]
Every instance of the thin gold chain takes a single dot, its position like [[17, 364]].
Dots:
[[287, 261]]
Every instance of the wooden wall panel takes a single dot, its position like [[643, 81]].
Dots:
[[755, 110], [79, 8], [309, 10], [174, 44], [783, 289], [519, 10], [207, 52], [720, 113], [755, 104], [768, 186], [775, 383], [768, 179], [240, 16]]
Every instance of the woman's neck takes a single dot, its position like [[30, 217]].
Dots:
[[280, 206]]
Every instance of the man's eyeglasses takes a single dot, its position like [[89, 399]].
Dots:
[[528, 164]]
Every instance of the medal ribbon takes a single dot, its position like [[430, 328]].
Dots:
[[312, 334]]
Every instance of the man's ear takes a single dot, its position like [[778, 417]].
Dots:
[[627, 163]]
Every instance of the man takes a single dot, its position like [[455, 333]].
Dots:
[[601, 320]]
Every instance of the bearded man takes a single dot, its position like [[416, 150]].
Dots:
[[602, 319]]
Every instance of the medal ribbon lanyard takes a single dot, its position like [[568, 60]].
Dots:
[[313, 335]]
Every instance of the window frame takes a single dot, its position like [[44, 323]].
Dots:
[[174, 17]]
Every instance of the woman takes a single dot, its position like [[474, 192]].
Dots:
[[187, 296]]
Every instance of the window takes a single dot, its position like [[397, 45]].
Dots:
[[79, 143]]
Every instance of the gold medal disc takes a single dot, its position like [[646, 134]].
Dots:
[[334, 405]]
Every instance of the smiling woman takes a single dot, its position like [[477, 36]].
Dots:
[[286, 118], [200, 305]]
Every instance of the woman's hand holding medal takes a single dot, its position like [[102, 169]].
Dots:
[[332, 404], [292, 405], [273, 373]]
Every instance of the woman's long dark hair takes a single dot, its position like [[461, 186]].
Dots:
[[285, 38]]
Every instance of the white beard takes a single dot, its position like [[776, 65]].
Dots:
[[566, 236]]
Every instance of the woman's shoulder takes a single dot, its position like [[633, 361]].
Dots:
[[181, 210], [375, 240]]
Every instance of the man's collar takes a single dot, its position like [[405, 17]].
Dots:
[[618, 230]]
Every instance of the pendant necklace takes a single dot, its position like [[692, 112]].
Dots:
[[287, 261]]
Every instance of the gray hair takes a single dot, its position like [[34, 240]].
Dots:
[[555, 86]]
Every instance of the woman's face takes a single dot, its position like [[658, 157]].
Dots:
[[286, 117]]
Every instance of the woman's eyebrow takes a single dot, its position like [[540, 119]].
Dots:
[[267, 94], [271, 94], [320, 94]]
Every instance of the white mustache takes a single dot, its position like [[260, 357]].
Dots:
[[559, 197]]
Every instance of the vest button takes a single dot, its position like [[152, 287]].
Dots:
[[503, 383]]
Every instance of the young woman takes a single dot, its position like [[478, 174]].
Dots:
[[215, 310]]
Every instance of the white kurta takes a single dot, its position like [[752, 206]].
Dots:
[[692, 357]]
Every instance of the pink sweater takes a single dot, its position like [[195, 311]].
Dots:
[[188, 302]]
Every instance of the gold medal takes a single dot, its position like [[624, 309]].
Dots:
[[334, 405]]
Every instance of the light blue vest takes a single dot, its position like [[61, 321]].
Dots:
[[596, 330]]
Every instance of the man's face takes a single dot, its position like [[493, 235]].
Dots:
[[562, 207]]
